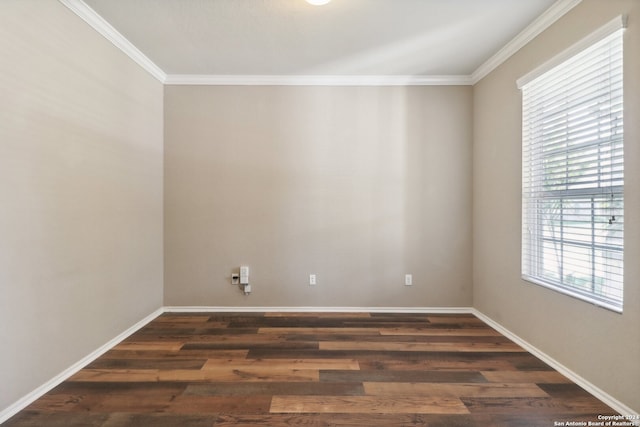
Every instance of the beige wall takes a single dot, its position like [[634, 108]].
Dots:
[[358, 185], [80, 193], [600, 345]]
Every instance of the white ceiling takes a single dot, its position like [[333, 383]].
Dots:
[[344, 37]]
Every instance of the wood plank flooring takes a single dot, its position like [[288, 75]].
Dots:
[[308, 369]]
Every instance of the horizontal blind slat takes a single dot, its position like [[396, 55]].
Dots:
[[573, 174]]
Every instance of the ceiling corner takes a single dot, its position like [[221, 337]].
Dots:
[[87, 14], [544, 21], [550, 16]]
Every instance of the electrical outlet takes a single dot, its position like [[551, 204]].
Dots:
[[408, 280], [312, 280]]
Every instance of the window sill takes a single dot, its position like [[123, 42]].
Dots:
[[566, 291]]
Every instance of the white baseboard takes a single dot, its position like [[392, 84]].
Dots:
[[26, 400], [31, 397], [595, 391], [10, 411], [225, 309]]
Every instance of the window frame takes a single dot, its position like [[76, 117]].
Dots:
[[533, 231]]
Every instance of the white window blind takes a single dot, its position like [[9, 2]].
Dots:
[[573, 175]]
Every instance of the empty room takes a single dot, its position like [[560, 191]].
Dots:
[[319, 213]]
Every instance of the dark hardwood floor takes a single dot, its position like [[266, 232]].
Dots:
[[304, 369]]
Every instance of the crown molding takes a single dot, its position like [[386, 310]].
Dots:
[[315, 80], [544, 21], [107, 31]]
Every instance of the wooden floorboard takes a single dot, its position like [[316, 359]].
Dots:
[[312, 370]]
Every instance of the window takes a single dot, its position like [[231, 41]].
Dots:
[[573, 172]]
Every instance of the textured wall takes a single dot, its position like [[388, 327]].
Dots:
[[80, 193], [599, 345], [358, 185]]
